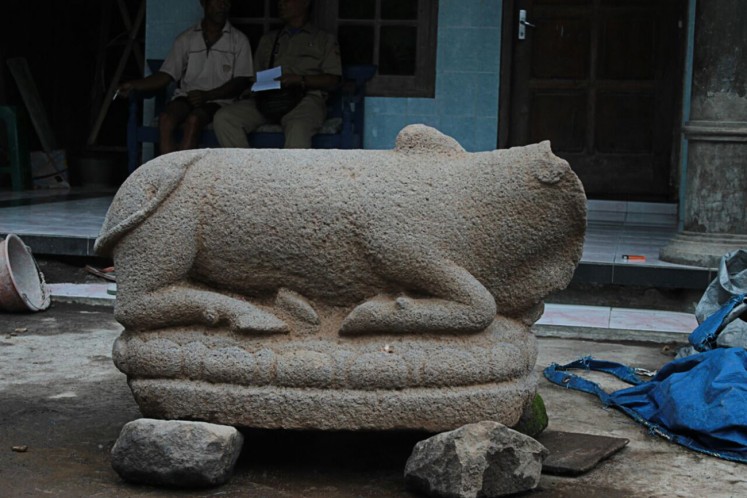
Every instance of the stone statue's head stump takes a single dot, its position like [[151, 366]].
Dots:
[[335, 289]]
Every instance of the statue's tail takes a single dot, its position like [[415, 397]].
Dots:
[[141, 194]]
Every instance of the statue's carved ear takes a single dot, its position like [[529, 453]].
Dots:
[[422, 138], [546, 166]]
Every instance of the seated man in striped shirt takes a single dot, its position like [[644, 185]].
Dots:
[[211, 63]]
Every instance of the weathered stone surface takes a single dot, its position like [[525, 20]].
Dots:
[[714, 198], [176, 453], [364, 289], [484, 459], [572, 453]]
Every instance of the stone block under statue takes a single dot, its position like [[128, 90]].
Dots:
[[340, 290]]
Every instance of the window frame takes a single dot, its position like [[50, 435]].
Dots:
[[421, 84]]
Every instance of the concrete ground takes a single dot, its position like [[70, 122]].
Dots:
[[61, 396]]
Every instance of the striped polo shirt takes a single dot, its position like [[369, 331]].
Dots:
[[195, 67]]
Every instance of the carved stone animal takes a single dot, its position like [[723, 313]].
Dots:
[[362, 289], [426, 237]]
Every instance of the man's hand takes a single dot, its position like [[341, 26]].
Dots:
[[287, 80], [152, 83], [197, 98], [125, 88], [325, 82]]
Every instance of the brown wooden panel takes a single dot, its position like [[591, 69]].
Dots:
[[399, 9], [627, 48], [360, 9], [624, 122], [397, 50], [599, 79], [356, 44], [560, 118], [610, 176], [560, 48]]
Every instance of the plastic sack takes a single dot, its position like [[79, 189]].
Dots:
[[706, 335], [731, 281]]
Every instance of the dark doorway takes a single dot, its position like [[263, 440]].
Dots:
[[600, 79]]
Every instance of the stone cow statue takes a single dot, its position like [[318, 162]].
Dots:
[[321, 254], [460, 236]]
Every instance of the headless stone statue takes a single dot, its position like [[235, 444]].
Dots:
[[337, 289]]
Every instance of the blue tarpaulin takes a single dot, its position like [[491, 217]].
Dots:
[[699, 401]]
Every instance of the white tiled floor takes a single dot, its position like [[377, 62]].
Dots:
[[605, 317], [619, 228], [561, 315], [614, 229], [87, 291], [72, 218]]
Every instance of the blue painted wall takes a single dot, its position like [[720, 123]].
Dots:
[[164, 20], [467, 72], [467, 82]]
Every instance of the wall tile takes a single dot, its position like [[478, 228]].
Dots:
[[430, 120], [462, 129], [457, 94], [386, 105], [455, 13], [164, 20], [458, 46], [381, 131], [422, 106], [469, 49], [486, 133], [174, 11], [486, 94], [488, 49], [487, 13]]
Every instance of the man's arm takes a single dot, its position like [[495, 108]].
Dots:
[[151, 83], [329, 65], [229, 89], [326, 82]]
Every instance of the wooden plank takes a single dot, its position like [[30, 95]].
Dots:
[[129, 27], [97, 92], [19, 68], [117, 75]]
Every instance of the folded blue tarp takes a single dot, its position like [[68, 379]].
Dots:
[[699, 401]]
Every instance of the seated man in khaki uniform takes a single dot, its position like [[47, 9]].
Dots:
[[212, 63], [310, 59]]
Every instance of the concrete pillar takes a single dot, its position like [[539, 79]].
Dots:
[[715, 200]]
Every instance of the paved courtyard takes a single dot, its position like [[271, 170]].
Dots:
[[63, 399]]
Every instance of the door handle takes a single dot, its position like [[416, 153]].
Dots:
[[523, 24]]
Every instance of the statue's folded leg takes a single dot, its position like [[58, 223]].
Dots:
[[456, 302], [183, 305]]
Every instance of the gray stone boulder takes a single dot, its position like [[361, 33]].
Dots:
[[176, 453], [485, 459]]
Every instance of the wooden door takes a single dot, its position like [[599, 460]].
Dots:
[[601, 80]]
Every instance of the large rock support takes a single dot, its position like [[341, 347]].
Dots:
[[176, 453]]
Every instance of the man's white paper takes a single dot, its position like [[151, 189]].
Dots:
[[266, 79]]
